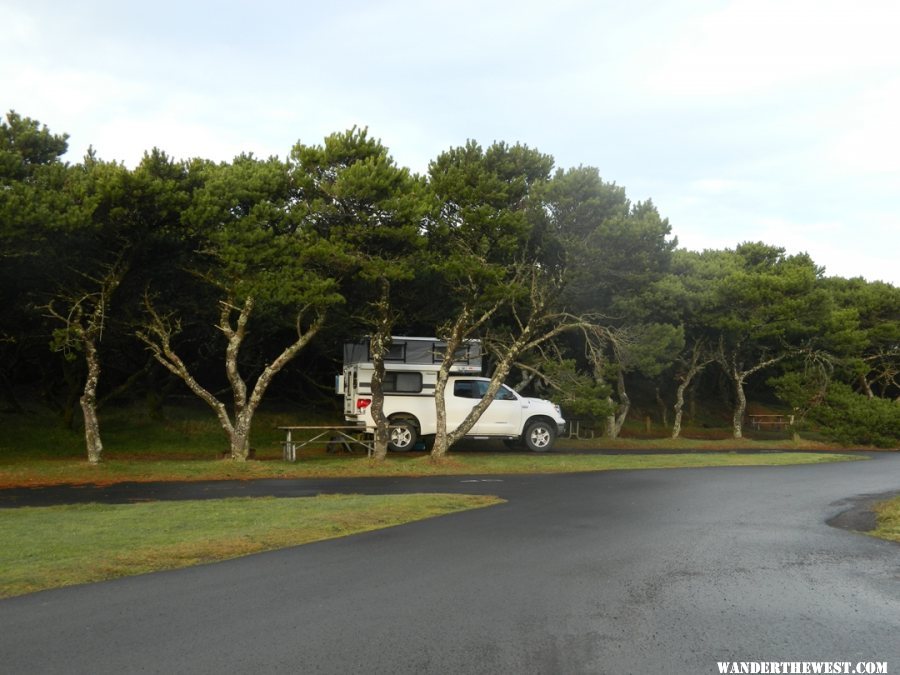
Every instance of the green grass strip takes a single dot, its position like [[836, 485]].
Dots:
[[48, 547]]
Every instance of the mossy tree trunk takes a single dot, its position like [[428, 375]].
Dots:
[[82, 330], [379, 344]]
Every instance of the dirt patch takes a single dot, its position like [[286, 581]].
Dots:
[[860, 514]]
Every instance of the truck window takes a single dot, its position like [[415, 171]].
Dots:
[[402, 383], [478, 388], [505, 394], [465, 389]]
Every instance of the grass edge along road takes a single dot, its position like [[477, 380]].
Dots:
[[54, 546], [59, 472], [887, 514]]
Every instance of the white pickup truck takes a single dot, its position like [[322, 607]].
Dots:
[[409, 402]]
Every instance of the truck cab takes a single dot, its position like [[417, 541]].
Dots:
[[533, 422]]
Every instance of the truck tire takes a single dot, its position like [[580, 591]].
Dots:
[[403, 435], [539, 435]]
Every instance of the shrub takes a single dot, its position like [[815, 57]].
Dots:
[[852, 418]]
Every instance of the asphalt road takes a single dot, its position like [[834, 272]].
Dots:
[[626, 572]]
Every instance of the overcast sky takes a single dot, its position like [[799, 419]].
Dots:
[[743, 120]]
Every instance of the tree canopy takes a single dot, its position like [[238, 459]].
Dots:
[[218, 277]]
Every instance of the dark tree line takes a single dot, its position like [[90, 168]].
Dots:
[[234, 279]]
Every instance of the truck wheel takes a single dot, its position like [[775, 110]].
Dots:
[[403, 436], [539, 435]]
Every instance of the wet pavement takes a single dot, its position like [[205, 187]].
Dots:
[[649, 571]]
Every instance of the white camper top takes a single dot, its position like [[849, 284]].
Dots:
[[416, 353]]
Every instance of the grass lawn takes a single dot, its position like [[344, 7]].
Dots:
[[34, 450], [888, 520], [55, 546]]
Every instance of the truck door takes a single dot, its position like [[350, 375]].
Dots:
[[503, 416]]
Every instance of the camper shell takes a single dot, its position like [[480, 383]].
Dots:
[[411, 369], [417, 352]]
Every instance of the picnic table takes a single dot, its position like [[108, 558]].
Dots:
[[347, 437], [773, 421]]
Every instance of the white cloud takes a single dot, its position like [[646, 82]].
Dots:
[[70, 92], [870, 141], [755, 47], [19, 26], [717, 186]]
